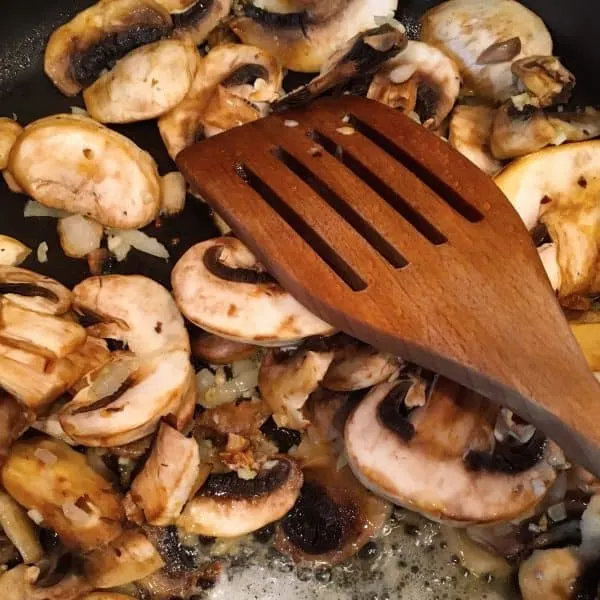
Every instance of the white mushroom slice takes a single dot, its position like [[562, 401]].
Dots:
[[470, 133], [132, 309], [228, 506], [79, 235], [12, 251], [440, 459], [19, 529], [79, 51], [356, 367], [225, 93], [48, 335], [76, 164], [421, 78], [303, 35], [168, 478], [33, 291], [37, 388], [35, 361], [9, 132], [550, 574], [153, 390], [145, 84], [22, 583], [549, 257], [11, 182], [220, 286], [48, 476], [285, 385], [560, 187], [173, 193], [128, 558], [484, 37], [198, 18]]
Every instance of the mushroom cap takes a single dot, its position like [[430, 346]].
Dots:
[[257, 313], [198, 18], [228, 506], [427, 471], [560, 187], [133, 309], [312, 32], [434, 75], [9, 132], [78, 51], [73, 163], [464, 29], [145, 84]]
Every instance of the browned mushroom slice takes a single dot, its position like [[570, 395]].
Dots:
[[49, 477], [221, 287], [197, 18], [145, 84], [481, 37], [216, 350], [22, 581], [73, 163], [422, 79], [13, 422], [243, 418], [303, 35], [9, 132], [471, 132], [228, 506], [33, 291], [169, 475], [334, 517], [114, 302], [359, 57], [79, 51], [550, 574], [439, 456]]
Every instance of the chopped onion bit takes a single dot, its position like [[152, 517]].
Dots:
[[42, 252]]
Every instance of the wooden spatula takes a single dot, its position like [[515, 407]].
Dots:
[[383, 230]]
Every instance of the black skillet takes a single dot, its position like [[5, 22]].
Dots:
[[24, 90]]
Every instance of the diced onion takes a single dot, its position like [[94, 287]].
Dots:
[[76, 515], [111, 378], [81, 112], [590, 529], [173, 192], [118, 247], [36, 516], [42, 252], [47, 457], [79, 235], [558, 512], [140, 241], [291, 123], [35, 209], [538, 487]]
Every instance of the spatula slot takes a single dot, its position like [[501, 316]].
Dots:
[[405, 210], [364, 228], [441, 188], [327, 254]]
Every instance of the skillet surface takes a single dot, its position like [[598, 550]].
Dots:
[[403, 568]]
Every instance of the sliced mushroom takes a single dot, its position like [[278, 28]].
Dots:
[[73, 163], [559, 187], [33, 291], [126, 559], [48, 335], [173, 193], [550, 574], [48, 476], [37, 388], [357, 366], [155, 388], [228, 506], [168, 478], [545, 78], [9, 132], [145, 84], [25, 583], [244, 418], [441, 459], [147, 326], [196, 19], [359, 57], [35, 361], [14, 421], [475, 34], [471, 132], [233, 83], [79, 51], [221, 287], [517, 133], [422, 79], [12, 251], [216, 350], [333, 518], [106, 596], [286, 384], [304, 34]]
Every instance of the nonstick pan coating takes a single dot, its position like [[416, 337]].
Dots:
[[25, 92]]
